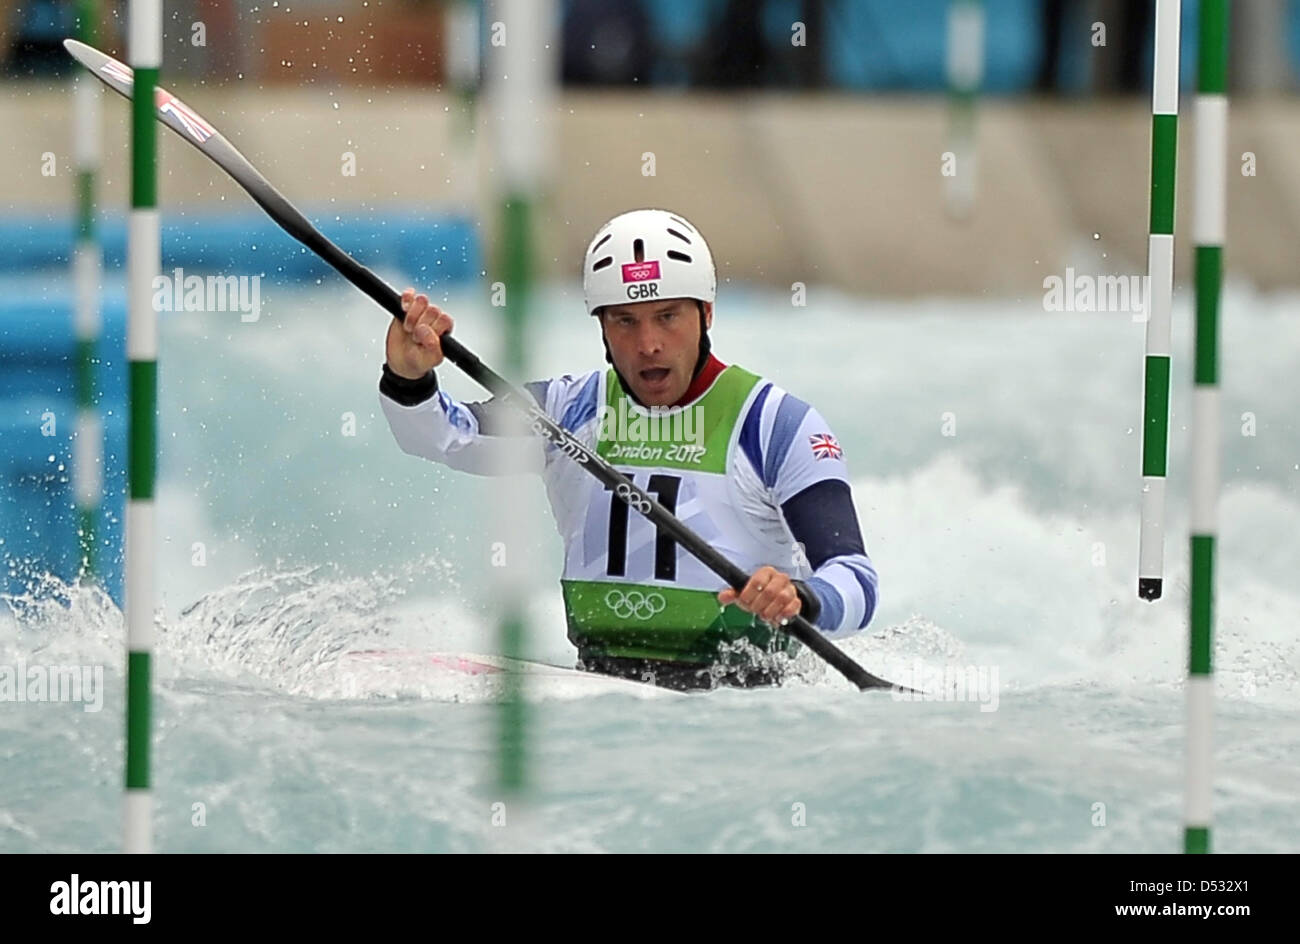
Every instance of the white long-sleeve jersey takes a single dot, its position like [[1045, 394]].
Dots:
[[754, 470]]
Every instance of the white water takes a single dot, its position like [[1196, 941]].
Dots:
[[1010, 547]]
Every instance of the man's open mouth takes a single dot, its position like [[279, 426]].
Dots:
[[654, 374]]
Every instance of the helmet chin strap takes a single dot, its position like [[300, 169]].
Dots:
[[705, 346]]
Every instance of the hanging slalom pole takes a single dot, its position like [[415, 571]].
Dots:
[[144, 260], [1159, 299], [87, 276], [965, 67], [1209, 223]]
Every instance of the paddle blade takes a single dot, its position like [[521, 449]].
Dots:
[[172, 112]]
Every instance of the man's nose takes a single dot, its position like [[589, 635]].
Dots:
[[649, 339]]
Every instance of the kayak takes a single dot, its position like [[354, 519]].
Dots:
[[477, 675]]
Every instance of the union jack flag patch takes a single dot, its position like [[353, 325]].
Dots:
[[118, 71], [824, 446], [196, 127]]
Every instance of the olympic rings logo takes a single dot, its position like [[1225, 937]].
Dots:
[[633, 497], [634, 603]]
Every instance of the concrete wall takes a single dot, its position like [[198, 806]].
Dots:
[[840, 190]]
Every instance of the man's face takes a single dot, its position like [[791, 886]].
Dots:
[[655, 345]]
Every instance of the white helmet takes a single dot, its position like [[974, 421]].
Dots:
[[642, 255]]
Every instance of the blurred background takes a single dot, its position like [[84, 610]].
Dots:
[[808, 140], [819, 160]]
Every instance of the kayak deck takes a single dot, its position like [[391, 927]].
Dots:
[[483, 674]]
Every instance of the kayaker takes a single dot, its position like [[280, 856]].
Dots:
[[753, 469]]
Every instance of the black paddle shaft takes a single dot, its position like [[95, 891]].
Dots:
[[182, 119]]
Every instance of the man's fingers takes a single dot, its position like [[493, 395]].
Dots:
[[427, 338], [414, 347], [769, 594], [786, 609], [440, 321], [760, 590], [752, 595], [415, 311], [431, 315], [772, 602]]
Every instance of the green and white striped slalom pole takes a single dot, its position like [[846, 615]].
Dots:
[[461, 52], [1159, 294], [965, 65], [1209, 223], [144, 260], [524, 73], [87, 275]]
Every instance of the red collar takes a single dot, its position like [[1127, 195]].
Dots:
[[708, 373]]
